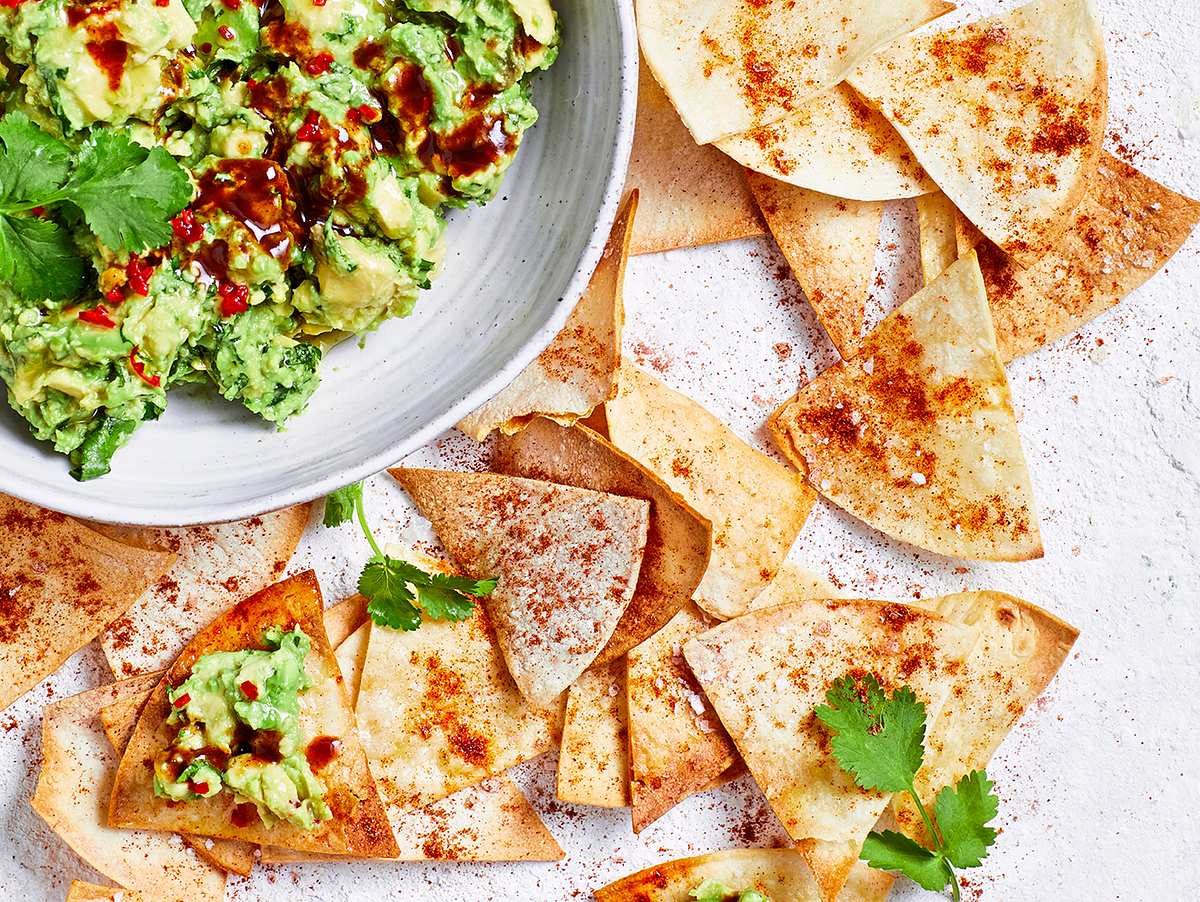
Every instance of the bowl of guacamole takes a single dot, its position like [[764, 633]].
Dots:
[[250, 251]]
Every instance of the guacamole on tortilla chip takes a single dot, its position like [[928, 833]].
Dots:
[[216, 190]]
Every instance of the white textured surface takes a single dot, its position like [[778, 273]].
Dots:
[[1098, 783]]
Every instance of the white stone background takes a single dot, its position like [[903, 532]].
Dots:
[[1099, 782]]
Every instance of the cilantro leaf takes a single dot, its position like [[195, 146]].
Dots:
[[384, 581], [38, 259], [962, 813], [448, 597], [340, 505], [880, 741], [127, 193], [33, 163], [892, 851]]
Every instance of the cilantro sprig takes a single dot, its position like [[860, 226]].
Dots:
[[126, 195], [880, 741], [398, 593]]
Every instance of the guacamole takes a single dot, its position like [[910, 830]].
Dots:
[[237, 722], [324, 141], [716, 891]]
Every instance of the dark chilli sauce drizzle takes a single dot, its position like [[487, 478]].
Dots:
[[321, 751], [104, 44], [476, 145], [257, 194]]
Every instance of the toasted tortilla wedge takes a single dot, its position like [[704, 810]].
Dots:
[[491, 821], [72, 797], [766, 672], [756, 505], [593, 761], [578, 371], [830, 245], [677, 542], [80, 891], [677, 745], [691, 194], [1006, 114], [343, 620], [936, 219], [733, 65], [794, 583], [358, 826], [1123, 231], [60, 584], [836, 144], [460, 719], [780, 874], [215, 567], [567, 561], [917, 435]]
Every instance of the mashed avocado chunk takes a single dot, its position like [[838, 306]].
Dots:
[[716, 891], [324, 142], [238, 728]]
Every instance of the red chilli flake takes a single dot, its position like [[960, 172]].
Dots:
[[225, 32], [162, 3], [138, 272], [154, 382], [98, 316], [249, 690], [198, 788], [318, 2], [319, 64], [232, 4], [186, 228], [185, 698], [235, 298], [115, 295], [36, 211], [311, 129]]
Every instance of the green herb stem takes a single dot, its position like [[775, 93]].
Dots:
[[938, 840], [361, 513]]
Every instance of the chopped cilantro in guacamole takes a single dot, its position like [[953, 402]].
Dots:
[[271, 177], [238, 729], [716, 891]]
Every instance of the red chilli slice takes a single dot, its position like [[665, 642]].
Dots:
[[249, 690], [154, 382], [98, 316], [138, 273], [235, 298], [182, 700]]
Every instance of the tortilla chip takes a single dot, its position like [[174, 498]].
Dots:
[[936, 218], [358, 825], [216, 566], [794, 583], [91, 892], [734, 65], [578, 370], [344, 619], [459, 719], [916, 435], [677, 542], [766, 672], [836, 144], [72, 798], [593, 761], [1020, 649], [757, 506], [1123, 231], [677, 745], [60, 583], [1006, 114], [829, 243], [780, 874], [691, 194], [491, 821], [567, 561]]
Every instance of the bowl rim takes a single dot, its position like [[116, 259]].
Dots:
[[221, 512]]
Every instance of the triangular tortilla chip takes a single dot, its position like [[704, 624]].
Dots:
[[351, 656], [917, 435], [459, 718], [1020, 649], [1123, 231], [757, 506], [344, 619], [593, 760], [577, 372], [72, 797], [780, 874], [358, 825], [60, 584], [677, 745], [1006, 114], [216, 566], [936, 218], [92, 892], [794, 583], [491, 821], [829, 243], [766, 672], [678, 540], [837, 145], [732, 65], [691, 194], [567, 561]]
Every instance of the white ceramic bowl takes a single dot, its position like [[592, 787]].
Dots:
[[513, 271]]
